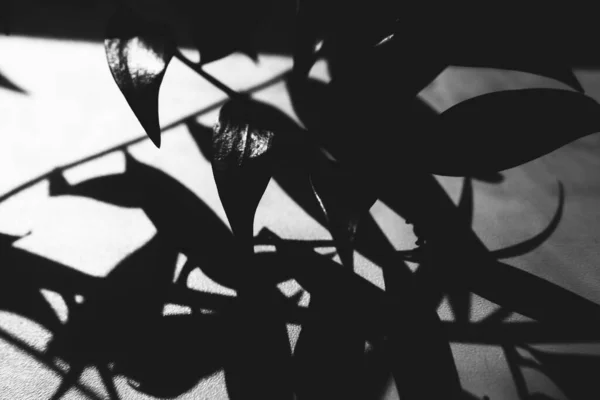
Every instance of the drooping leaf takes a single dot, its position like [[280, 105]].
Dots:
[[505, 129], [465, 203], [344, 198], [518, 249], [138, 53], [235, 21], [243, 158]]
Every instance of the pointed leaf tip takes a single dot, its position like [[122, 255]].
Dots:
[[138, 53]]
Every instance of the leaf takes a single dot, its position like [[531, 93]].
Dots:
[[243, 158], [344, 198], [502, 130], [138, 54], [465, 203], [176, 212], [10, 85]]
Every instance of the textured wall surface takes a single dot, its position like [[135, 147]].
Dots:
[[72, 110]]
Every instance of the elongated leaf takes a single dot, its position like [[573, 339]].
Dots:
[[243, 158], [138, 54], [505, 129], [344, 198], [574, 374]]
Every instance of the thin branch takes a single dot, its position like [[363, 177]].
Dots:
[[198, 69]]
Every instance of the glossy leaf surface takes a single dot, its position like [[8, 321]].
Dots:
[[138, 54]]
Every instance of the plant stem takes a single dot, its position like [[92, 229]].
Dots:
[[198, 69]]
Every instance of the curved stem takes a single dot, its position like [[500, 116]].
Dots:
[[198, 69]]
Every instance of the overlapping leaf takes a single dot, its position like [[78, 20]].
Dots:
[[501, 130], [138, 54]]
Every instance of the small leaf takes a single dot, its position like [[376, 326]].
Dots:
[[243, 159], [343, 200], [138, 54], [202, 136], [220, 28], [502, 130]]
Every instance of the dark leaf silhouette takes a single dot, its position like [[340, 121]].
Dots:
[[536, 241], [518, 249], [138, 54], [519, 125], [344, 198], [236, 22], [10, 85], [310, 99], [176, 212], [21, 295]]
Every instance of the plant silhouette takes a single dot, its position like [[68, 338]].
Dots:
[[363, 137]]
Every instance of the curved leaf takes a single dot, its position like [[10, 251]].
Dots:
[[343, 200], [517, 59], [219, 28], [243, 158], [138, 54], [502, 130]]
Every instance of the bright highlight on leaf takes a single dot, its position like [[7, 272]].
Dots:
[[138, 54]]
